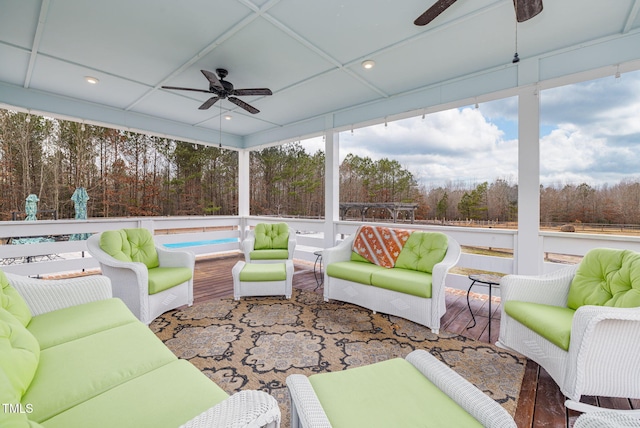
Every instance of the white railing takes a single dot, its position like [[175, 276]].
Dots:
[[212, 234]]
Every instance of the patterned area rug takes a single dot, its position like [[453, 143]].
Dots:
[[255, 343]]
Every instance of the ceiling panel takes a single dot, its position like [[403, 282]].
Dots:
[[322, 95], [143, 40], [56, 76], [18, 21], [14, 65]]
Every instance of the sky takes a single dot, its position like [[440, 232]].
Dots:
[[589, 132]]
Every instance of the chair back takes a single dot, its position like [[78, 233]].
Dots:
[[271, 236], [606, 277], [130, 245]]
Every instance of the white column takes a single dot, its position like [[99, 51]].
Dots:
[[331, 186], [244, 175], [529, 257]]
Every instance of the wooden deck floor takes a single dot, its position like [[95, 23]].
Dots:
[[541, 403]]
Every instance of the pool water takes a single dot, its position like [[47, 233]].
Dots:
[[197, 243]]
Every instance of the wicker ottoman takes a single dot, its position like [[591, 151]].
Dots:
[[273, 279]]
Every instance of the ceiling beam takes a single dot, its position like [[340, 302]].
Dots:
[[44, 10]]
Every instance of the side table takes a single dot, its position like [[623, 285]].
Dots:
[[317, 269], [484, 279]]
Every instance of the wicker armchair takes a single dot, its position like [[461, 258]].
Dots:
[[130, 272], [601, 342], [269, 243]]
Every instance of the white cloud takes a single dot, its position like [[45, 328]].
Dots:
[[591, 134]]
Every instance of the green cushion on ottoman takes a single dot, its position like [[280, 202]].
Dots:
[[362, 397], [263, 272]]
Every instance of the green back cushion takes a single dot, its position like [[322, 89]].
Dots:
[[13, 302], [271, 236], [355, 257], [19, 352], [422, 251], [606, 277], [130, 245]]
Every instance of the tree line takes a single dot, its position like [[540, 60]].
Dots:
[[130, 174]]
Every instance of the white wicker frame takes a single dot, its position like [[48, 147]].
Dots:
[[262, 288], [130, 281], [244, 409], [604, 344], [425, 311], [250, 240], [307, 411]]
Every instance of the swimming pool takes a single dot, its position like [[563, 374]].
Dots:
[[199, 243]]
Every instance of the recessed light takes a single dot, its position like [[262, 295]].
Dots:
[[368, 64], [91, 80], [227, 117]]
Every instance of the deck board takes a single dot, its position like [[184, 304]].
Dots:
[[541, 404]]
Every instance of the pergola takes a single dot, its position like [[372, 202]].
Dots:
[[310, 54]]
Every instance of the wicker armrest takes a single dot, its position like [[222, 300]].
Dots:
[[250, 409], [175, 258], [489, 413], [306, 410], [549, 289], [49, 295]]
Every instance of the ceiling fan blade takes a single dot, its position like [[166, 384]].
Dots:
[[244, 105], [186, 89], [527, 9], [253, 91], [211, 101], [213, 79], [433, 12]]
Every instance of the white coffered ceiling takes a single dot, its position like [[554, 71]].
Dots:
[[309, 52]]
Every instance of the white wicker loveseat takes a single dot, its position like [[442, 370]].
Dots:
[[72, 356], [581, 323], [422, 302]]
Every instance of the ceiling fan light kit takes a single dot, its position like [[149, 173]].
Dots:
[[223, 89]]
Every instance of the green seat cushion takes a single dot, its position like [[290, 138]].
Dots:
[[606, 277], [19, 353], [271, 236], [73, 372], [130, 245], [391, 393], [551, 322], [263, 272], [422, 251], [163, 278], [63, 325], [166, 397], [12, 301], [13, 414], [269, 255], [353, 271], [406, 281]]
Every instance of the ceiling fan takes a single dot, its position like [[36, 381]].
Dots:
[[525, 10], [223, 89]]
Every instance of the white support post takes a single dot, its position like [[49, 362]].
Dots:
[[332, 185], [528, 254], [244, 183]]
